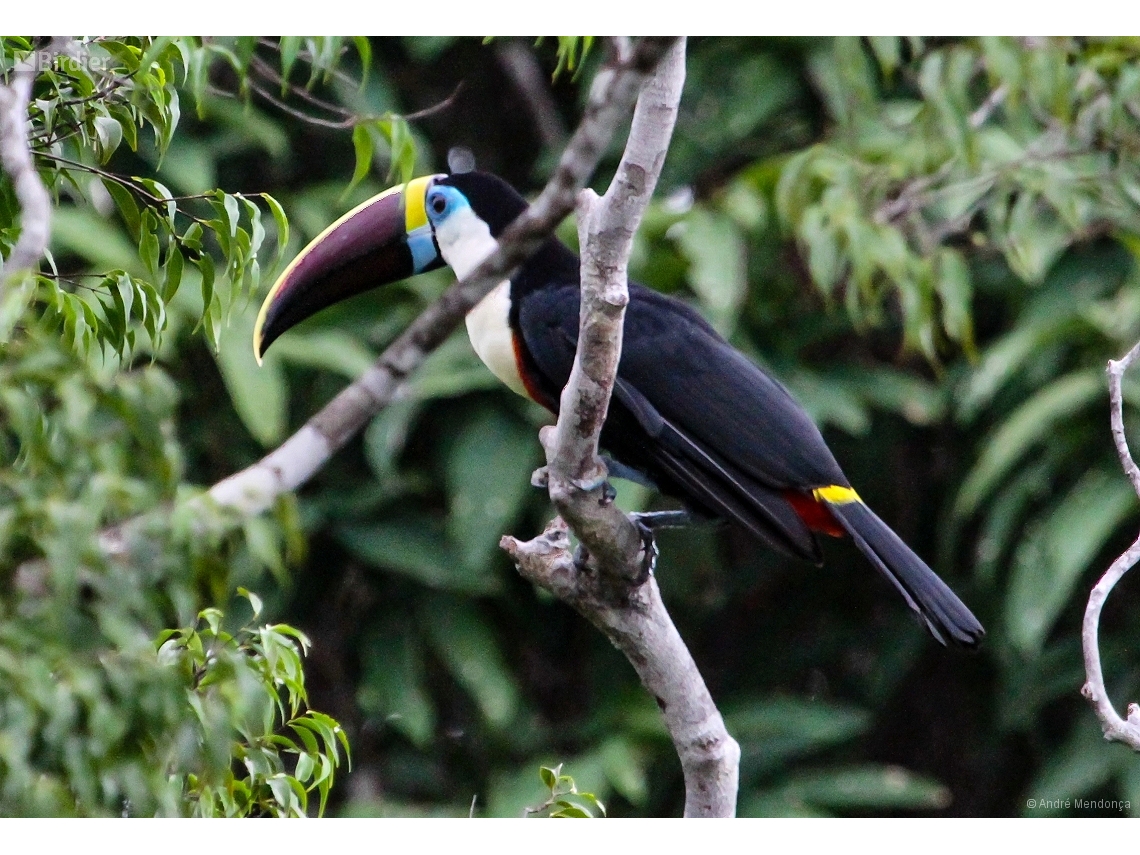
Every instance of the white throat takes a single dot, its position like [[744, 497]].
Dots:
[[464, 242]]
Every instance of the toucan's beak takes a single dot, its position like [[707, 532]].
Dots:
[[386, 239]]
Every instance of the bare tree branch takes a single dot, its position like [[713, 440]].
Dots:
[[289, 466], [1115, 728], [617, 592], [16, 158]]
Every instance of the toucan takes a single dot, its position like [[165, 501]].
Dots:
[[689, 412]]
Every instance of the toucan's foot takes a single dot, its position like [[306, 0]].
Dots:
[[649, 553], [649, 550], [654, 520], [582, 559]]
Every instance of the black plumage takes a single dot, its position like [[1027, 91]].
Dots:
[[702, 421]]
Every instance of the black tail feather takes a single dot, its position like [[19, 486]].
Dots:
[[944, 614]]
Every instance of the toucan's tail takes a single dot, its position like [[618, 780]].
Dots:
[[944, 614]]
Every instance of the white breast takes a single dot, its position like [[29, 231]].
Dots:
[[490, 335], [464, 242]]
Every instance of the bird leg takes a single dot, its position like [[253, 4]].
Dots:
[[646, 523], [653, 520], [649, 550]]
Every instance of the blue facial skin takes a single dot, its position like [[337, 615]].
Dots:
[[422, 245], [441, 202]]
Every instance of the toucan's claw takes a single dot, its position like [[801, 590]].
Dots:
[[582, 560], [609, 493], [649, 551]]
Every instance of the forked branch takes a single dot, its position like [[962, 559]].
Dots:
[[1115, 728]]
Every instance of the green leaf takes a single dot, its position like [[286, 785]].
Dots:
[[466, 644], [1031, 423], [716, 252], [866, 787], [172, 271], [1034, 238], [362, 146], [773, 731], [1007, 357], [109, 133], [290, 46], [329, 349], [626, 769], [148, 243], [888, 52], [393, 686], [955, 292], [489, 461], [387, 434], [364, 49], [282, 224], [259, 393], [418, 548], [549, 776], [1057, 550], [1082, 765]]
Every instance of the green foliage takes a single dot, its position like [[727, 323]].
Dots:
[[250, 683], [84, 108], [572, 51], [104, 541], [778, 735], [980, 142], [565, 802]]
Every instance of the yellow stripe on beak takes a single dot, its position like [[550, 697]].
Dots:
[[415, 212]]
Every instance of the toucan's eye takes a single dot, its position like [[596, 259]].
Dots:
[[438, 203]]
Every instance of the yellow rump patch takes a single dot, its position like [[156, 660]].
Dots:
[[836, 495]]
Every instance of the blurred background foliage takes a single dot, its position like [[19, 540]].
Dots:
[[932, 242]]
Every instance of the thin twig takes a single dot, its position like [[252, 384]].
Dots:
[[1115, 728], [147, 197], [337, 125], [440, 107], [349, 119], [992, 102], [269, 72]]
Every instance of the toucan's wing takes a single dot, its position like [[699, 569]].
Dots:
[[715, 394], [672, 405]]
